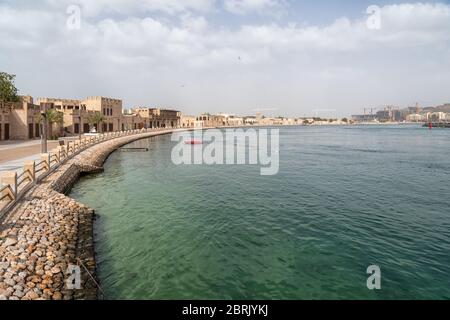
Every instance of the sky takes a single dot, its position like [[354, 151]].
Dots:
[[280, 57]]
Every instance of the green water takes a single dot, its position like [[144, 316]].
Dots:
[[345, 198]]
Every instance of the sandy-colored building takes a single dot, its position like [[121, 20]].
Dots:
[[75, 115], [5, 126], [210, 120], [267, 122], [231, 120], [250, 121], [188, 121], [289, 122], [438, 116], [159, 118], [132, 121], [415, 117], [19, 120], [111, 109]]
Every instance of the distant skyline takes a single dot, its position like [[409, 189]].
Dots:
[[283, 57]]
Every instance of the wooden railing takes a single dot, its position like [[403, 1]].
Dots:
[[16, 185]]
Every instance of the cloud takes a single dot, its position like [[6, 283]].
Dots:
[[128, 7], [242, 7], [296, 68]]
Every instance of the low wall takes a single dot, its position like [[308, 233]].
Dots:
[[46, 231]]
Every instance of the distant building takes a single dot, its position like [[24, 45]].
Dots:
[[415, 117], [289, 122], [231, 120], [389, 114], [19, 120], [110, 108], [5, 125], [75, 115], [269, 122], [77, 112], [438, 116], [132, 121], [187, 121], [364, 118], [209, 120], [250, 121], [159, 118]]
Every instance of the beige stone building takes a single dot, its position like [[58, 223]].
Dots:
[[132, 121], [22, 120], [75, 115], [187, 121], [231, 120], [110, 108], [5, 126], [19, 120], [438, 116], [209, 120], [415, 117], [159, 118]]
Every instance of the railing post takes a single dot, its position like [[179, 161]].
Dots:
[[45, 157], [10, 178], [60, 151], [58, 154], [68, 149], [30, 167]]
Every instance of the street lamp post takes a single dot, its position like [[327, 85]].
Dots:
[[44, 132], [79, 127]]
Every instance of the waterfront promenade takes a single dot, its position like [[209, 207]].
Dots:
[[14, 153], [46, 231]]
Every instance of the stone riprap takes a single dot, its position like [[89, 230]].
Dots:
[[47, 231]]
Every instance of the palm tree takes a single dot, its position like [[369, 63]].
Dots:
[[52, 116], [96, 118]]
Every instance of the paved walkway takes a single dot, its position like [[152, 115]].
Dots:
[[13, 153]]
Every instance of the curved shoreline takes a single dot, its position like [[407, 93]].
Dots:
[[47, 231]]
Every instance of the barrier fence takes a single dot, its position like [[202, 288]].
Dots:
[[13, 185]]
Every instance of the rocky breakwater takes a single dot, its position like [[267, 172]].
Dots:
[[46, 232]]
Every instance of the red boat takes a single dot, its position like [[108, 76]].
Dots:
[[193, 142]]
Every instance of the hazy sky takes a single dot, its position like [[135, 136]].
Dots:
[[284, 57]]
